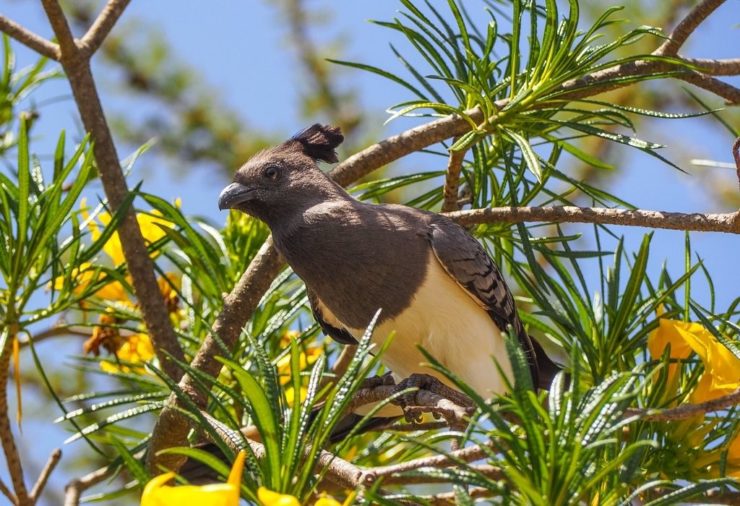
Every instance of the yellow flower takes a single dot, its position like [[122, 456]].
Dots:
[[85, 275], [290, 395], [150, 230], [327, 500], [156, 493], [136, 349], [269, 498], [306, 358], [721, 367]]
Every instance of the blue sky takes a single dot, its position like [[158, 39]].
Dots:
[[239, 48]]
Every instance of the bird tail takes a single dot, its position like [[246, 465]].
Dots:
[[546, 368]]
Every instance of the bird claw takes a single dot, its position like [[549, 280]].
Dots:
[[412, 412], [377, 381]]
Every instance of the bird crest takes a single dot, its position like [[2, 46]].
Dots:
[[319, 142]]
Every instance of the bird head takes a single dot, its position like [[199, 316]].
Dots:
[[286, 178]]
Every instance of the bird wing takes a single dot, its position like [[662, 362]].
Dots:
[[465, 260], [339, 335]]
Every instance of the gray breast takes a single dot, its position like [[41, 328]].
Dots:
[[359, 258]]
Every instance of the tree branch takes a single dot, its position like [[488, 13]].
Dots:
[[450, 498], [391, 149], [686, 410], [12, 457], [77, 486], [102, 26], [720, 88], [452, 181], [58, 21], [51, 464], [29, 39], [727, 67], [7, 493], [76, 64], [727, 222], [687, 26]]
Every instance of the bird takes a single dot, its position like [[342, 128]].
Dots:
[[433, 283]]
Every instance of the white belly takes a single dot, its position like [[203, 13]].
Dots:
[[448, 323]]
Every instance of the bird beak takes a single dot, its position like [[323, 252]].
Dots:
[[233, 195]]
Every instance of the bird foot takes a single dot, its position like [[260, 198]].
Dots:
[[413, 410], [377, 381]]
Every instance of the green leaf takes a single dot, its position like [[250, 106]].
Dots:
[[533, 161], [134, 466], [264, 414]]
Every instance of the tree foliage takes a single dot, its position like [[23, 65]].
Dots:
[[509, 97]]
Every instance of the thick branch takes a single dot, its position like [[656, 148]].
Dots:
[[397, 146], [140, 265], [29, 39], [727, 222], [102, 26], [12, 457]]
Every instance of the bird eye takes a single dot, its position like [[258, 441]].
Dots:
[[271, 172]]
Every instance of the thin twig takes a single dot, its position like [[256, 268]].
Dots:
[[686, 410], [56, 331], [51, 464], [726, 222], [411, 427], [452, 181], [7, 493], [450, 498], [687, 26], [76, 65], [67, 45], [29, 39], [468, 454], [487, 470], [102, 26], [74, 489]]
